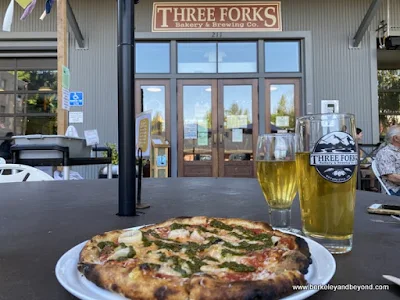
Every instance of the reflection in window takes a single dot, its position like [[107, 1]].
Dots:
[[237, 57], [154, 100], [197, 122], [282, 56], [37, 80], [37, 103], [389, 100], [7, 103], [282, 107], [36, 125], [7, 81], [152, 58], [197, 57], [238, 122], [28, 102]]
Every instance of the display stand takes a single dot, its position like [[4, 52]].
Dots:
[[159, 158]]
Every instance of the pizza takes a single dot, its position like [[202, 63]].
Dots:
[[197, 258]]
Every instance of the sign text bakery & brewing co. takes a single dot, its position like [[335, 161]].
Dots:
[[216, 16]]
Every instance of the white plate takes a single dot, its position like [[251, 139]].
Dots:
[[321, 270]]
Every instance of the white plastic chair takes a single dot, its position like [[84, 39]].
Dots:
[[21, 173], [378, 175]]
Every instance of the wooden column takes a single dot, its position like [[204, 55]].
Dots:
[[62, 59]]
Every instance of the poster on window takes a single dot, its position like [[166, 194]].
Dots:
[[190, 131], [202, 133], [282, 121], [236, 121], [237, 135]]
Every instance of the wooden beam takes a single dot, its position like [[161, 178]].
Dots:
[[62, 60]]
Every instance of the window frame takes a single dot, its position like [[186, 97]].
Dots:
[[299, 55], [154, 42], [26, 64]]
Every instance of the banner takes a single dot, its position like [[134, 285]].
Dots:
[[143, 132], [216, 16]]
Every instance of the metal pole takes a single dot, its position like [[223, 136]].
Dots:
[[126, 109]]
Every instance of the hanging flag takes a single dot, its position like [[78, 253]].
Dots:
[[23, 3], [49, 4], [8, 17], [28, 10]]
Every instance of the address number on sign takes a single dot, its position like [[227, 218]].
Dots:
[[216, 35]]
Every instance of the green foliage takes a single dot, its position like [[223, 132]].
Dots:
[[389, 98], [283, 110], [114, 153], [115, 156]]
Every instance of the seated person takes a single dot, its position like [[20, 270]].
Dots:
[[364, 160], [5, 147], [388, 161]]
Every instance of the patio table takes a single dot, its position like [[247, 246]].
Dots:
[[40, 221]]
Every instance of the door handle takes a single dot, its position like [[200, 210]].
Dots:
[[215, 138], [220, 138]]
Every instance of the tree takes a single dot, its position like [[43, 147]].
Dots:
[[389, 98]]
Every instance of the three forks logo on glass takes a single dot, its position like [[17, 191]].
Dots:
[[335, 157]]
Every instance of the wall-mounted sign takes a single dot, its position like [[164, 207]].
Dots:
[[216, 16], [76, 98], [75, 117]]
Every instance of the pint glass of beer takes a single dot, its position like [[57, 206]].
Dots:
[[326, 164], [276, 174]]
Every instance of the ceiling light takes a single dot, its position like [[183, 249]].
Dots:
[[153, 89]]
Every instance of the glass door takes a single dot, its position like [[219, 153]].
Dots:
[[237, 127], [282, 103], [197, 128], [217, 127]]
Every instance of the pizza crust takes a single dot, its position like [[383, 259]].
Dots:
[[119, 280], [205, 287]]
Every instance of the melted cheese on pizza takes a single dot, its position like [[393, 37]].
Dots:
[[229, 252]]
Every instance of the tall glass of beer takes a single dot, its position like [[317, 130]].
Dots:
[[276, 174], [326, 164]]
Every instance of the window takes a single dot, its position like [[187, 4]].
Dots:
[[389, 99], [282, 56], [222, 57], [152, 57], [237, 57], [197, 57], [28, 97], [154, 100]]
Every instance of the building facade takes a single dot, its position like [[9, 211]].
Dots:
[[211, 91]]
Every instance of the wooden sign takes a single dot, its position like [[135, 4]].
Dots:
[[216, 16]]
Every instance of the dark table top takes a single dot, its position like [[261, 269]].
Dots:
[[40, 221]]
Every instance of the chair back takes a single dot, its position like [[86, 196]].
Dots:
[[21, 173], [378, 175]]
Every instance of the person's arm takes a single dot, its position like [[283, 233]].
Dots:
[[395, 178], [387, 167]]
